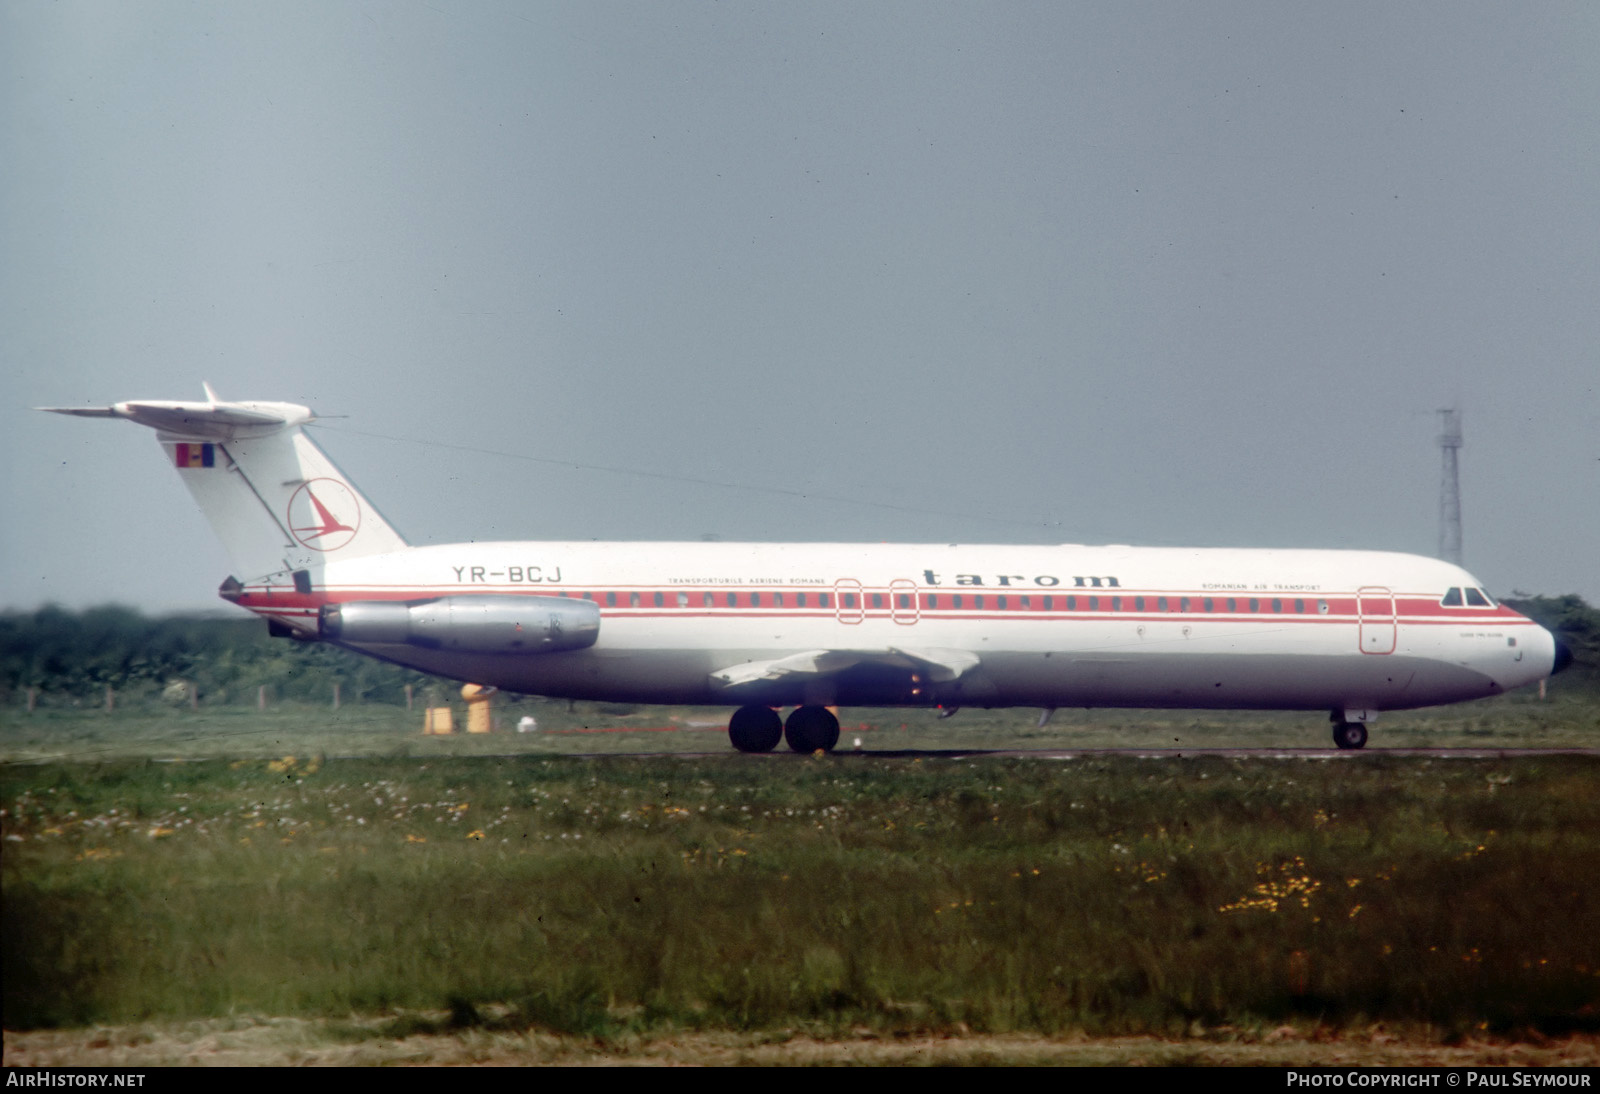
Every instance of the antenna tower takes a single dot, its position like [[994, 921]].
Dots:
[[1450, 487]]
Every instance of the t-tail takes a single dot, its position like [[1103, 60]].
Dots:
[[275, 499]]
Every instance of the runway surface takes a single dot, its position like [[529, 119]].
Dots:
[[781, 754]]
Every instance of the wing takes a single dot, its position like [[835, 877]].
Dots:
[[938, 665]]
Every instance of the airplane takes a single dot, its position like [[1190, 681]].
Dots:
[[763, 626]]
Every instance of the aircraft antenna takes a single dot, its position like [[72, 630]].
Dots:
[[1450, 486]]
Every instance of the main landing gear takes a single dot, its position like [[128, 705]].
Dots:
[[758, 728], [755, 729], [810, 729]]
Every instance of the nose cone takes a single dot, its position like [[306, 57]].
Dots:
[[1563, 657]]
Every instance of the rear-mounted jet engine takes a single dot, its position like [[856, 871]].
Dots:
[[471, 624]]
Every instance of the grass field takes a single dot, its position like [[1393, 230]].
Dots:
[[1568, 718], [345, 871]]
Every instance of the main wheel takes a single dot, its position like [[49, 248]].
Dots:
[[755, 729], [811, 728], [1349, 734]]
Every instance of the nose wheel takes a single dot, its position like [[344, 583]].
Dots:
[[1349, 735]]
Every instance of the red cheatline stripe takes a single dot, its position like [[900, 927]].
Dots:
[[1411, 611]]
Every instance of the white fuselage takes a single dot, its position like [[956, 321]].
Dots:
[[1048, 626]]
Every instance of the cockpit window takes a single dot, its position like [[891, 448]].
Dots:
[[1452, 599], [1476, 599]]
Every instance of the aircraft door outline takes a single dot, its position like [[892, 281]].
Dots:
[[1376, 619], [903, 591]]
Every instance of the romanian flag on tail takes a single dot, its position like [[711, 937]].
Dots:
[[195, 455]]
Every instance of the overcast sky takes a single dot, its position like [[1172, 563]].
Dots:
[[1180, 274]]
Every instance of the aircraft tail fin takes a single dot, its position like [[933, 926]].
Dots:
[[275, 499]]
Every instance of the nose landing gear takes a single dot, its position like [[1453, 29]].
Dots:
[[1349, 735]]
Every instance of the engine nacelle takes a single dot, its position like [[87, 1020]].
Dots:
[[472, 624]]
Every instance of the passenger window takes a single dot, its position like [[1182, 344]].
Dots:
[[658, 599], [1138, 603], [799, 600], [1094, 603], [1300, 604], [1072, 603], [1116, 603], [683, 600], [1208, 603], [1277, 604], [823, 600], [955, 601], [732, 600], [933, 600], [1027, 602], [877, 600], [1049, 603], [1000, 601], [707, 600], [903, 600], [633, 600], [1255, 604], [1322, 607], [1233, 604], [977, 601], [849, 600], [1161, 604], [611, 600], [777, 599]]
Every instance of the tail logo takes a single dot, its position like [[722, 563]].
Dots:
[[324, 514]]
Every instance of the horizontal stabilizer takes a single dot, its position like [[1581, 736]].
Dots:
[[83, 411], [212, 420], [275, 499]]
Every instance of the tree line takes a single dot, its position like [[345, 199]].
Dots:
[[73, 657], [1569, 618]]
